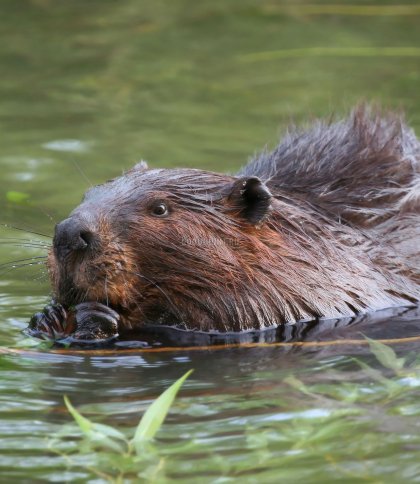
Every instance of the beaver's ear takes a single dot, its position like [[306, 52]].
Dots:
[[251, 198]]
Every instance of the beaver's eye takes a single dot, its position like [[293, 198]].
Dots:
[[160, 210]]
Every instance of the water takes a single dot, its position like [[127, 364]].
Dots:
[[92, 87]]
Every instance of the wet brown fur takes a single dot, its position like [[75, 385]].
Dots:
[[340, 234]]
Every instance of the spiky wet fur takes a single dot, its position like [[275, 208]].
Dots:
[[342, 234]]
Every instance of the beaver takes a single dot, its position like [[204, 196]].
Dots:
[[326, 225]]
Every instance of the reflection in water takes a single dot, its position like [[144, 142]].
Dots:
[[390, 324]]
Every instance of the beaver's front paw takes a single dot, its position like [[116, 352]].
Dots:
[[95, 322], [86, 323], [52, 323]]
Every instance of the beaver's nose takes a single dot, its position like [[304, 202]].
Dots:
[[72, 235]]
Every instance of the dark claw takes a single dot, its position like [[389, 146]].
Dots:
[[56, 315], [87, 323], [49, 323], [38, 326]]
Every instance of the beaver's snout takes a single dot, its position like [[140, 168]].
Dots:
[[72, 235]]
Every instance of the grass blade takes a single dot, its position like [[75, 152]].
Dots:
[[98, 434], [84, 423], [154, 416], [386, 355]]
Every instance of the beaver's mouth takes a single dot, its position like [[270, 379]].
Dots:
[[89, 263], [72, 292], [82, 278], [86, 282]]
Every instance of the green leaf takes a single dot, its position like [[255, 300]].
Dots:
[[297, 385], [33, 343], [385, 355], [375, 375], [393, 388], [17, 197], [84, 424], [98, 434], [109, 431], [154, 416]]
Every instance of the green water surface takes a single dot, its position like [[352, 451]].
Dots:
[[87, 88]]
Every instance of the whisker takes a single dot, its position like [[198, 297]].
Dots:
[[106, 290], [13, 262], [43, 276], [79, 294], [49, 216], [155, 284], [22, 239], [82, 173], [116, 236], [125, 282], [76, 293], [25, 230], [25, 245], [73, 294], [20, 266]]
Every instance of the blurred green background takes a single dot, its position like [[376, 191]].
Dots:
[[104, 83]]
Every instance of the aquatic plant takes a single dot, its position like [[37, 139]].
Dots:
[[316, 427], [112, 447]]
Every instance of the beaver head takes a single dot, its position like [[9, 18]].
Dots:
[[168, 246]]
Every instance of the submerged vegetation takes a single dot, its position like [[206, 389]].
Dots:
[[331, 436], [111, 447]]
